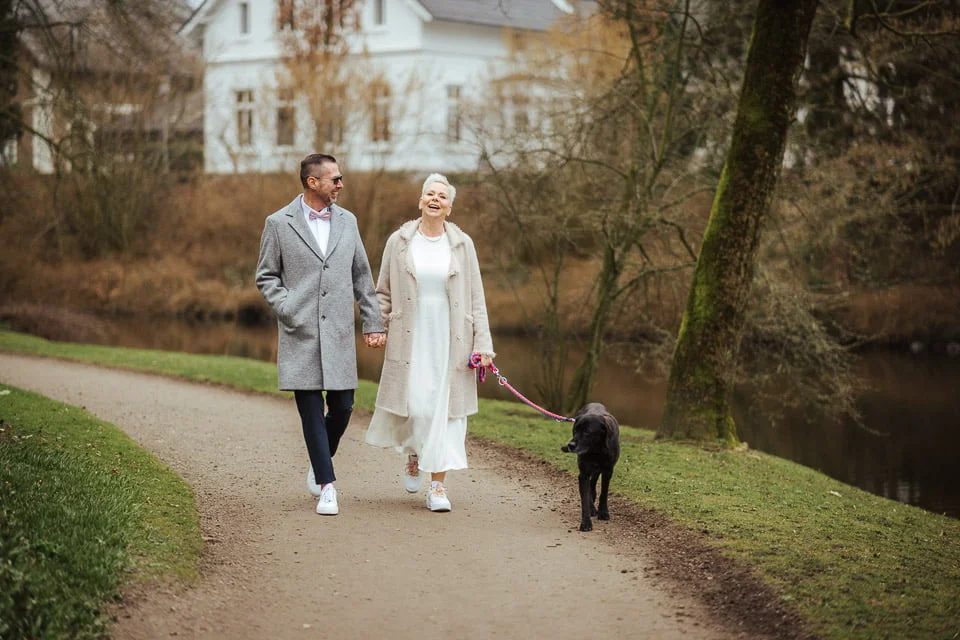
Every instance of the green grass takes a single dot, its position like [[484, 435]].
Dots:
[[83, 509], [855, 565]]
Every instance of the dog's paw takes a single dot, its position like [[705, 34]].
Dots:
[[604, 515], [586, 525]]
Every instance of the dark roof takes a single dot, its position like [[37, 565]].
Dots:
[[536, 15]]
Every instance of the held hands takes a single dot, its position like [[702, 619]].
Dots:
[[375, 340]]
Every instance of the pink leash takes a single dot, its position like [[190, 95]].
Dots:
[[482, 377]]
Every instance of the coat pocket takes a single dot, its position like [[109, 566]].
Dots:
[[463, 344], [395, 336], [288, 308]]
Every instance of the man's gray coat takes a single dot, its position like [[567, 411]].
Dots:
[[312, 295]]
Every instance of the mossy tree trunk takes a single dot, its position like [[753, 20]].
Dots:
[[698, 390]]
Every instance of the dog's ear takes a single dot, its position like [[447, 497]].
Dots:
[[609, 422]]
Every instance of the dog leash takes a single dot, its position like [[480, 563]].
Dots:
[[474, 363]]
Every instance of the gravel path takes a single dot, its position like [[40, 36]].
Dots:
[[507, 562]]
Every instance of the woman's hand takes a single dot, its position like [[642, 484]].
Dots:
[[485, 360]]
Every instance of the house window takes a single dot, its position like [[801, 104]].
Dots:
[[380, 113], [454, 115], [379, 12], [286, 15], [244, 18], [286, 118], [520, 105], [245, 117], [335, 114]]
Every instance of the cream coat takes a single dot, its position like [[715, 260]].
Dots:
[[469, 328]]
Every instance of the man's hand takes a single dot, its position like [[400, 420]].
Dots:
[[375, 340]]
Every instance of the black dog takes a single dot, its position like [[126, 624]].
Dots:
[[596, 441]]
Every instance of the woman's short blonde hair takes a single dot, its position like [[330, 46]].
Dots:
[[442, 179]]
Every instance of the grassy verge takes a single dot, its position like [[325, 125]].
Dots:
[[855, 565], [83, 508]]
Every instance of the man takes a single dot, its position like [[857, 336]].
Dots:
[[312, 266]]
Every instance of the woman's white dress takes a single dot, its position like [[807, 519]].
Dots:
[[428, 432]]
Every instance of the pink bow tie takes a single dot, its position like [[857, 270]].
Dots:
[[321, 215]]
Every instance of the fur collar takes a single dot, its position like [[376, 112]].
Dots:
[[454, 233]]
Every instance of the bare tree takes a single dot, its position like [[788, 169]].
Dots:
[[102, 88], [701, 378], [601, 165]]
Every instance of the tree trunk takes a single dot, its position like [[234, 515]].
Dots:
[[698, 391], [10, 115]]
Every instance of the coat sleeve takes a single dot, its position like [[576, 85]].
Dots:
[[482, 340], [384, 295], [363, 290], [269, 268]]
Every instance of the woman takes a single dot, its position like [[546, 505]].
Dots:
[[431, 299]]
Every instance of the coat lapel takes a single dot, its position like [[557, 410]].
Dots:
[[299, 224], [336, 228], [456, 239], [407, 229]]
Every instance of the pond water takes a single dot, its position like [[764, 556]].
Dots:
[[914, 401]]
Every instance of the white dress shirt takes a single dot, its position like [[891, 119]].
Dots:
[[320, 228]]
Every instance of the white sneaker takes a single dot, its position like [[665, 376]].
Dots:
[[437, 499], [312, 485], [411, 475], [327, 505]]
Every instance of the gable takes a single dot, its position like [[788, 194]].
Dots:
[[200, 16]]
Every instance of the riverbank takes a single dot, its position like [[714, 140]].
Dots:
[[195, 260], [909, 406], [67, 305], [852, 564]]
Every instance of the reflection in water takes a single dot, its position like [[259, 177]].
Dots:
[[914, 401]]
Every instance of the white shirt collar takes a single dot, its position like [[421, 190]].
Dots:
[[307, 209]]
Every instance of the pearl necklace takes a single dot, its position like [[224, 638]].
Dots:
[[426, 237]]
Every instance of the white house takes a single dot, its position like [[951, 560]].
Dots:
[[446, 49]]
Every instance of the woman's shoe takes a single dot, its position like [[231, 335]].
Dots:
[[437, 499], [411, 475]]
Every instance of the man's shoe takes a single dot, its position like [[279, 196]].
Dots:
[[327, 505], [437, 499], [312, 485], [411, 475]]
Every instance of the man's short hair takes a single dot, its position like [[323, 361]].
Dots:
[[313, 160]]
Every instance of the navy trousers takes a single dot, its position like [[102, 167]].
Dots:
[[321, 432]]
